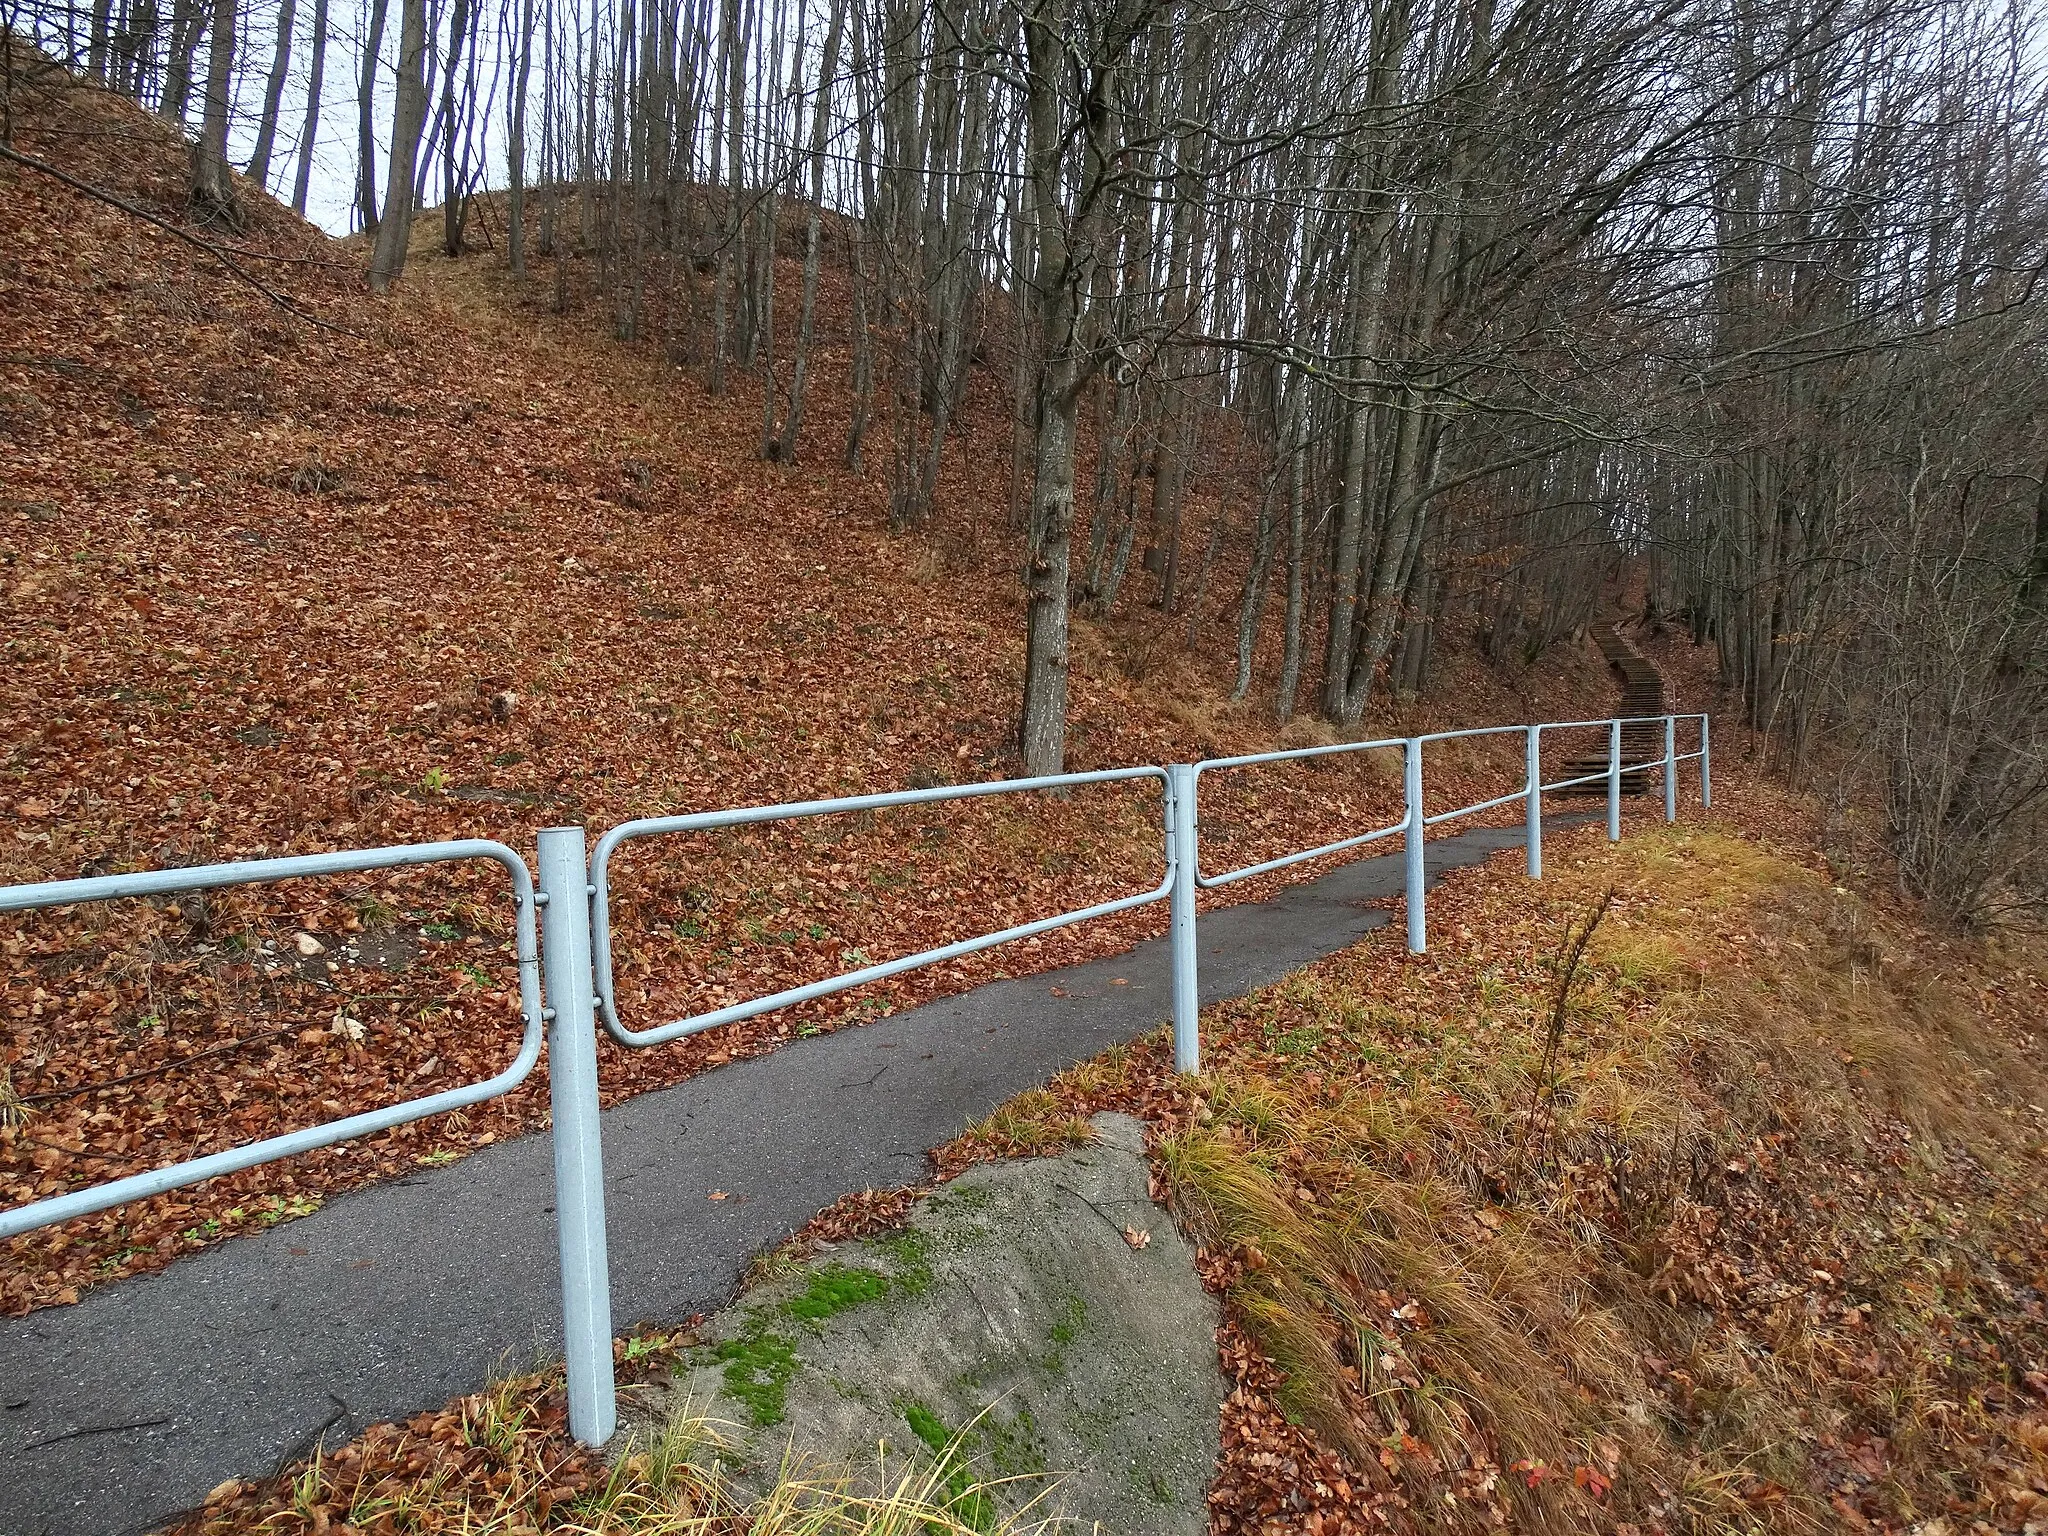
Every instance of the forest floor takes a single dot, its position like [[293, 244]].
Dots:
[[270, 555], [1687, 1191], [1748, 1232]]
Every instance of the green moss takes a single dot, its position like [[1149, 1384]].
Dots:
[[832, 1289], [910, 1252], [1066, 1328], [1151, 1485], [964, 1500], [1013, 1448], [758, 1365], [928, 1427]]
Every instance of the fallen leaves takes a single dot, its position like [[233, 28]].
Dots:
[[397, 604]]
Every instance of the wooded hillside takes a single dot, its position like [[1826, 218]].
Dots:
[[1394, 321]]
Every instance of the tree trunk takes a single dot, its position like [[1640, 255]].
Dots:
[[273, 95], [97, 38], [1254, 605], [366, 120], [732, 94], [408, 119], [315, 80], [1291, 645], [213, 187], [515, 147], [451, 171], [800, 369], [188, 20]]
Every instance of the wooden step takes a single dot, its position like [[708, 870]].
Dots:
[[1642, 694]]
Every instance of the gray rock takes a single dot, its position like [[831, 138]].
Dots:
[[1014, 1313]]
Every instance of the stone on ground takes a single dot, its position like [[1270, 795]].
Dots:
[[1042, 1316]]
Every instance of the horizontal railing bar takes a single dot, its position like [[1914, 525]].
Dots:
[[1572, 725], [1480, 730], [84, 1202], [657, 826], [1296, 752], [1473, 810], [199, 877], [663, 1033], [157, 1181], [1590, 778], [704, 821], [1211, 882]]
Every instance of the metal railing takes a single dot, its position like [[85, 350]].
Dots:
[[563, 946]]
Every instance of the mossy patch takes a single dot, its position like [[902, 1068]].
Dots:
[[758, 1365], [833, 1289], [964, 1498], [759, 1362], [1065, 1330], [910, 1251]]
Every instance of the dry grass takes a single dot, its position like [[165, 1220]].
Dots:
[[1761, 1217], [497, 1464]]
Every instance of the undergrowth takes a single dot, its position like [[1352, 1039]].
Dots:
[[1733, 1225], [500, 1464]]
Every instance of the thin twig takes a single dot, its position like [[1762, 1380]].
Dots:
[[216, 252], [166, 1066], [1553, 1037]]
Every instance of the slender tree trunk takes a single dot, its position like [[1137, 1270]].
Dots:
[[188, 20], [1291, 646], [316, 79], [408, 120], [451, 172], [1254, 605], [96, 43], [863, 346], [1062, 266], [732, 94], [273, 95], [515, 147], [213, 187], [821, 119], [366, 120]]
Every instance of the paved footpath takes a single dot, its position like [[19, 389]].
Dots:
[[119, 1412]]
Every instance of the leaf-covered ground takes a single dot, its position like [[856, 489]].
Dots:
[[363, 572], [1736, 1225]]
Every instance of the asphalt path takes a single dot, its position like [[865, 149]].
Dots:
[[120, 1412]]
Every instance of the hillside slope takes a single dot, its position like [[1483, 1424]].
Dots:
[[1688, 1192], [311, 570]]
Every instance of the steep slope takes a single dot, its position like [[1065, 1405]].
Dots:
[[288, 569], [1691, 1191]]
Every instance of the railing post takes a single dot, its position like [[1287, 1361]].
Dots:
[[1614, 781], [1671, 767], [579, 1159], [1706, 768], [1183, 853], [1532, 833], [1418, 920]]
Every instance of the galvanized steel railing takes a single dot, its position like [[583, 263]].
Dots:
[[569, 949]]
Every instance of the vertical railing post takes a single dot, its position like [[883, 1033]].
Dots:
[[579, 1160], [1614, 781], [1532, 833], [1183, 852], [1671, 767], [1418, 920], [1706, 767]]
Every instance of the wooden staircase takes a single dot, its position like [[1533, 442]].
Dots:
[[1642, 693]]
